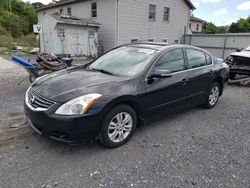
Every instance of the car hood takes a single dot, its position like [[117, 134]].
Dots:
[[241, 54], [68, 84]]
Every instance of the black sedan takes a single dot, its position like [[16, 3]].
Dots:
[[112, 95]]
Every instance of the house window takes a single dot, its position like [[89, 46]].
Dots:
[[190, 25], [165, 40], [69, 11], [134, 40], [152, 12], [94, 10], [176, 41], [61, 11], [197, 27], [61, 32], [150, 40], [91, 34], [166, 14]]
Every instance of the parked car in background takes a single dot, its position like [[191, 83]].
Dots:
[[239, 62], [114, 94]]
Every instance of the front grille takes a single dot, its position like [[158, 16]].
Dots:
[[37, 101]]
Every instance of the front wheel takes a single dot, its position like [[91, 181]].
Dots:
[[118, 126], [232, 76], [213, 96], [32, 78]]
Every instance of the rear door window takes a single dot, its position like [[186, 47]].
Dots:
[[172, 61], [209, 59], [195, 58]]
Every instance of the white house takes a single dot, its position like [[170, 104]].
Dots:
[[125, 21], [196, 24]]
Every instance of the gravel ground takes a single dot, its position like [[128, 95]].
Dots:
[[190, 148]]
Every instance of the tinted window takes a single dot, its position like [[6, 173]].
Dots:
[[196, 58], [209, 59], [172, 61]]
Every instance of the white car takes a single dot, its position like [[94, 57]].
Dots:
[[239, 62]]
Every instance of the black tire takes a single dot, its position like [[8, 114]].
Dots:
[[232, 76], [105, 131], [208, 103]]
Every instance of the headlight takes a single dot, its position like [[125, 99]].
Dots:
[[230, 60], [79, 105]]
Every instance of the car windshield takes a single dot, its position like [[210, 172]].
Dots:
[[124, 61]]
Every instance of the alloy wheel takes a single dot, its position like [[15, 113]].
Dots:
[[214, 95], [120, 127]]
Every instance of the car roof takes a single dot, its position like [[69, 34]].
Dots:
[[158, 46]]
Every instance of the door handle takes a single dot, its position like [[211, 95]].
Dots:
[[184, 81], [211, 72]]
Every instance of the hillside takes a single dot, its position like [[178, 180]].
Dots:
[[16, 18]]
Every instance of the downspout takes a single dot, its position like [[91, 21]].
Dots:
[[117, 23]]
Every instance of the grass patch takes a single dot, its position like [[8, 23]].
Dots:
[[28, 41]]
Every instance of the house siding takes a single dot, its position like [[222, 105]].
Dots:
[[106, 15], [134, 22], [194, 26]]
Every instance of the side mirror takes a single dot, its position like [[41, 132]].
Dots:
[[239, 49], [161, 73]]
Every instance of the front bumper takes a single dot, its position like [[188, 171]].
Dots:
[[67, 129], [239, 69]]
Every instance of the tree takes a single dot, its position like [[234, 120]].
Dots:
[[241, 26], [37, 5], [210, 28], [19, 20]]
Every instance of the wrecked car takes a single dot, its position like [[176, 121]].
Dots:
[[239, 62]]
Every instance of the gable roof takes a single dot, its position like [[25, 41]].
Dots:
[[190, 4], [66, 2], [192, 18], [57, 4], [72, 20]]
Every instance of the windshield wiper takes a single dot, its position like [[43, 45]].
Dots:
[[104, 71]]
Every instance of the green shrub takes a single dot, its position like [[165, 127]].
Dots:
[[6, 41]]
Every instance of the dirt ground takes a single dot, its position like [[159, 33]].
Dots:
[[191, 148]]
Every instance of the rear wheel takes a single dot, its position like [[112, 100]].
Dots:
[[213, 96], [118, 126]]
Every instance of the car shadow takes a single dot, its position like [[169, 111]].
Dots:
[[93, 145]]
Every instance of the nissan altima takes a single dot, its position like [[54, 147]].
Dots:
[[111, 96]]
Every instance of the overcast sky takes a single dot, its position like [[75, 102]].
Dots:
[[220, 12], [42, 1]]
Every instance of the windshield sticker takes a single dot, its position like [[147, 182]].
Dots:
[[148, 51]]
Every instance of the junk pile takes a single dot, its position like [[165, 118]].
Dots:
[[45, 64]]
